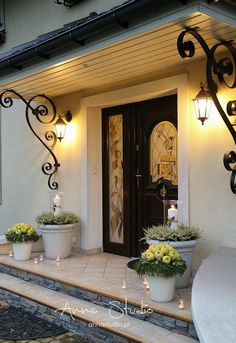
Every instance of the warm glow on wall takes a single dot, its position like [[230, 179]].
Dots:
[[71, 133]]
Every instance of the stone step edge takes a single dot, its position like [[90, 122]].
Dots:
[[115, 331], [160, 311]]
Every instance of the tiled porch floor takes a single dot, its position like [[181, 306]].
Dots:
[[104, 273]]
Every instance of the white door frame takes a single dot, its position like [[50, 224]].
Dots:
[[91, 149]]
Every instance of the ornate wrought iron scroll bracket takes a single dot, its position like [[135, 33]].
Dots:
[[45, 114], [217, 72]]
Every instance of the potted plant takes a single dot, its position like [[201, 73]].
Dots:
[[161, 262], [21, 235], [57, 232], [183, 239]]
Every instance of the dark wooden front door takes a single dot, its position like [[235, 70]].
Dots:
[[139, 151]]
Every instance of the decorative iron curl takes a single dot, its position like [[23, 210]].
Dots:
[[229, 159], [38, 111], [226, 66]]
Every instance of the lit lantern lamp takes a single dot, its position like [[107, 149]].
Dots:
[[203, 103], [60, 124]]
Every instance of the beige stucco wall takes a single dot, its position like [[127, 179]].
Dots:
[[39, 17]]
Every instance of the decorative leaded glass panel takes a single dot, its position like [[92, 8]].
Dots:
[[115, 148], [163, 152]]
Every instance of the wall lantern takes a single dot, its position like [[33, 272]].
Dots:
[[203, 103], [45, 113], [60, 124], [219, 71]]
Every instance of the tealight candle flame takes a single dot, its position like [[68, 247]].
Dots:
[[36, 260], [123, 285], [58, 259], [181, 304], [11, 254]]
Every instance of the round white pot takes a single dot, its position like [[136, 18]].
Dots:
[[186, 249], [22, 251], [162, 288], [57, 240]]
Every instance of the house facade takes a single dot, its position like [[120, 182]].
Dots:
[[116, 67]]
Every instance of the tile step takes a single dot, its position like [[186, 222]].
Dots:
[[85, 318], [171, 321]]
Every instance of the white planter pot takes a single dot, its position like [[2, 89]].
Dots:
[[22, 251], [186, 249], [161, 288], [57, 240]]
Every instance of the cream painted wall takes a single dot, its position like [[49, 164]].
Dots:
[[26, 19], [68, 152], [24, 187], [25, 191]]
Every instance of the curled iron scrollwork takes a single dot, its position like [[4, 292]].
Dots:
[[47, 111], [217, 73]]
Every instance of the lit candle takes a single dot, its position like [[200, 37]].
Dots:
[[41, 258], [123, 285], [181, 304], [11, 254], [173, 214], [145, 281], [57, 204], [58, 259], [36, 261]]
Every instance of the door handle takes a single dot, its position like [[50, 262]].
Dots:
[[138, 176]]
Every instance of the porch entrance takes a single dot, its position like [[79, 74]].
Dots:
[[139, 150]]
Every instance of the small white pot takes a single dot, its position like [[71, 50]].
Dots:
[[57, 240], [22, 251], [186, 249], [162, 288]]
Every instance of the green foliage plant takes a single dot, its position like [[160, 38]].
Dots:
[[63, 218], [21, 233], [165, 233], [160, 260]]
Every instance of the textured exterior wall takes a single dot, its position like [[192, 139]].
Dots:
[[27, 19]]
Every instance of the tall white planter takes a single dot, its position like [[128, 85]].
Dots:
[[162, 288], [186, 249], [57, 240], [22, 251]]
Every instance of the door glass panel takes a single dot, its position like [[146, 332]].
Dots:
[[163, 152], [115, 148]]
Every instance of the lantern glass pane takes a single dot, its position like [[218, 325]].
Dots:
[[202, 107], [60, 130]]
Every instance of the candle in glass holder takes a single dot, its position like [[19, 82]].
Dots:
[[123, 285], [145, 282], [181, 304], [36, 261], [11, 254], [57, 204], [173, 215]]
